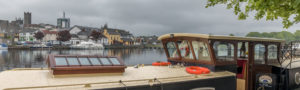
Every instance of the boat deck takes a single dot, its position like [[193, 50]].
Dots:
[[42, 79], [286, 63]]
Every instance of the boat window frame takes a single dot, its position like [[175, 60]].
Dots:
[[189, 39], [277, 56], [190, 47], [208, 51], [168, 53], [267, 52], [234, 43]]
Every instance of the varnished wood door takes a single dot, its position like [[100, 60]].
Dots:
[[255, 68]]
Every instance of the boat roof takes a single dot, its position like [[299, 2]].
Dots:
[[206, 36], [34, 78]]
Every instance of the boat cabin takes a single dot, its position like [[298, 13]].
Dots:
[[246, 56]]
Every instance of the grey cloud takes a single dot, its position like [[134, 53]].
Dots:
[[141, 17]]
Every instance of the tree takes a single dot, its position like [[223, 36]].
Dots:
[[287, 10], [231, 34], [253, 34], [288, 36], [63, 36], [297, 35], [96, 35], [39, 35], [266, 34]]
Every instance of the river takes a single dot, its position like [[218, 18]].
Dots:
[[10, 59]]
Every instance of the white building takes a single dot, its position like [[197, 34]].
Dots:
[[49, 35], [82, 33], [27, 35]]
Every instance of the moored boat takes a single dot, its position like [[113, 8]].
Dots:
[[228, 63], [3, 46], [87, 45]]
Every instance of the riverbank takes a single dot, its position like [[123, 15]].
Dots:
[[146, 46], [34, 58]]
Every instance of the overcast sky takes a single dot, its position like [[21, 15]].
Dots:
[[141, 17]]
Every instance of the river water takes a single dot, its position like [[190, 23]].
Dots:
[[10, 59]]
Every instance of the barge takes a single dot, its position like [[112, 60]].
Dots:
[[235, 63]]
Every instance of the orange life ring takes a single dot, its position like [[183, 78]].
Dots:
[[197, 70], [161, 63]]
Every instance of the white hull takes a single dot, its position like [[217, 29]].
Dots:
[[88, 45]]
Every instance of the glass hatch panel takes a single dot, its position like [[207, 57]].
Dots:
[[84, 61], [73, 61], [105, 61], [115, 61], [60, 61], [95, 61]]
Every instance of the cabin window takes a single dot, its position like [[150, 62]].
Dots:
[[172, 50], [272, 54], [259, 54], [243, 50], [185, 50], [201, 50], [224, 51]]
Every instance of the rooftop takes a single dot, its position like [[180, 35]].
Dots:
[[206, 36], [49, 32], [127, 39], [27, 30]]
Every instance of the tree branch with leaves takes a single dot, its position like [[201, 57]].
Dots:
[[96, 35], [63, 35], [39, 35], [287, 10]]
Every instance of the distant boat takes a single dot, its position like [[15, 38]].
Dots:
[[40, 46], [87, 45], [3, 46]]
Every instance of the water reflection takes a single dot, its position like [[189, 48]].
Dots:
[[10, 59]]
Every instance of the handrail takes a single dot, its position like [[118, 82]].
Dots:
[[89, 84]]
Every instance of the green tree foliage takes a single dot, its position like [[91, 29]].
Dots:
[[288, 36], [253, 34], [287, 10], [231, 34], [297, 35]]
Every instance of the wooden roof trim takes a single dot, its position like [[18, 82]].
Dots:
[[218, 37]]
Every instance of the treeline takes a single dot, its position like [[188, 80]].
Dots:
[[288, 36]]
